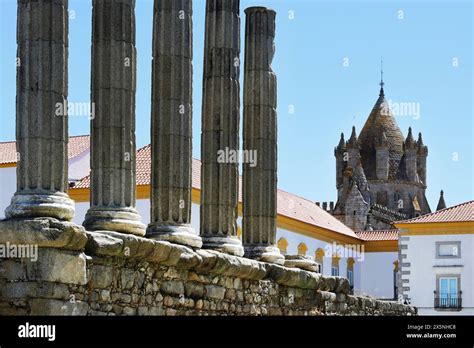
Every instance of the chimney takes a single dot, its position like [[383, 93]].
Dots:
[[325, 206], [318, 204], [331, 206]]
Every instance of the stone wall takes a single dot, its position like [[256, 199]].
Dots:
[[120, 274]]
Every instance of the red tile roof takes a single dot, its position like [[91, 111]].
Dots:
[[457, 213], [288, 205], [77, 145], [378, 235]]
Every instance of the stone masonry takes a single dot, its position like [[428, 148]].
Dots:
[[220, 127], [380, 169], [41, 127], [60, 268], [113, 147], [260, 137], [171, 124], [129, 275]]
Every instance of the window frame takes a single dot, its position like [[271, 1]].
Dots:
[[437, 248]]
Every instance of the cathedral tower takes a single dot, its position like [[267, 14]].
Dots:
[[380, 174]]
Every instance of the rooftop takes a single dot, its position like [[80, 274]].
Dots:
[[463, 212], [77, 145], [378, 235], [289, 205]]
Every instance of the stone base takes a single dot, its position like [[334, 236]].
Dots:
[[228, 245], [43, 232], [183, 235], [124, 220], [29, 205], [264, 253], [302, 262]]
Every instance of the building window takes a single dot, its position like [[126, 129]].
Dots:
[[319, 258], [302, 249], [335, 266], [350, 271], [447, 250], [350, 277], [448, 294], [282, 245]]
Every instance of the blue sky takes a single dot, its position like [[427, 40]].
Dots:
[[328, 68]]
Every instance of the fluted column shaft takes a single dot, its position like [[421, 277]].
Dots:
[[260, 138], [41, 111], [220, 127], [113, 148], [171, 123]]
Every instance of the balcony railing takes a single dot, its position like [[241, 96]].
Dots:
[[448, 301]]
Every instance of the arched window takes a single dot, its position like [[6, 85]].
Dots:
[[282, 245], [319, 258], [335, 266], [302, 249], [350, 271]]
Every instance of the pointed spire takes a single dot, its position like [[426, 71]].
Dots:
[[420, 140], [441, 202], [422, 149], [342, 142], [410, 142], [353, 142], [382, 93], [341, 147]]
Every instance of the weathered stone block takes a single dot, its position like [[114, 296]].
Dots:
[[172, 288], [25, 290], [194, 290], [103, 244], [60, 266], [217, 292], [127, 277], [12, 270], [101, 276], [43, 232], [41, 306]]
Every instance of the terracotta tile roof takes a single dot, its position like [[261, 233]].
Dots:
[[378, 235], [457, 213], [77, 145], [288, 205]]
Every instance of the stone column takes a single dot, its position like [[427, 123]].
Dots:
[[220, 128], [260, 138], [171, 124], [113, 148], [41, 112]]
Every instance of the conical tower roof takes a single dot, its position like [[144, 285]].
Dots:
[[441, 202], [380, 120]]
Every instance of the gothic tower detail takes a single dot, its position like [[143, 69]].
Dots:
[[380, 174]]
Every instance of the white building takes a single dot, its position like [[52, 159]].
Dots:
[[367, 258], [437, 261]]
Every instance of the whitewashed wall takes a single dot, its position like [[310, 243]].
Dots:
[[377, 274], [424, 267], [79, 166], [7, 188]]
